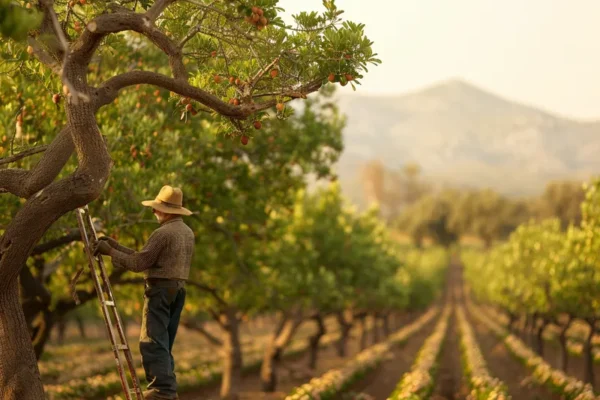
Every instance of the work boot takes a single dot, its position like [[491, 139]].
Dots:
[[154, 395]]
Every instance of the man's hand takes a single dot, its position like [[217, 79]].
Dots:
[[113, 243], [102, 247]]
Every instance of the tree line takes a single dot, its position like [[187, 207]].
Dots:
[[425, 209]]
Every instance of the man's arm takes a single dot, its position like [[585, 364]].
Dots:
[[138, 261], [116, 245]]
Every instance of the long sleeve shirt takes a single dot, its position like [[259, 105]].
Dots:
[[167, 254]]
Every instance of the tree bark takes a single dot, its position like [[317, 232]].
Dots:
[[362, 325], [345, 327], [61, 327], [588, 355], [41, 332], [512, 318], [540, 337], [375, 334], [19, 374], [284, 333], [314, 340], [387, 330], [563, 355], [232, 356]]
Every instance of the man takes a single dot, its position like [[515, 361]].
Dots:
[[165, 261]]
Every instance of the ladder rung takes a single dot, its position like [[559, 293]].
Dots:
[[121, 347], [109, 303]]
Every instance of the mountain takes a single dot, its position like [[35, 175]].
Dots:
[[465, 136]]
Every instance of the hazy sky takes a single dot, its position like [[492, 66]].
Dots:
[[545, 53]]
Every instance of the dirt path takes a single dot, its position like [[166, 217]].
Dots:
[[504, 366], [449, 382], [382, 381]]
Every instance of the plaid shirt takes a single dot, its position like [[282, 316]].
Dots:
[[167, 254]]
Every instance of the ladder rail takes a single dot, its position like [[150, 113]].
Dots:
[[104, 303], [119, 323]]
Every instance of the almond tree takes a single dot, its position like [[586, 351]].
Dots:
[[205, 44]]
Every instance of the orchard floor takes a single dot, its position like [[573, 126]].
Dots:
[[250, 386], [575, 366], [382, 381], [504, 366]]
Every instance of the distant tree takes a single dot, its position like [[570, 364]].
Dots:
[[561, 199], [485, 214], [429, 216], [393, 190]]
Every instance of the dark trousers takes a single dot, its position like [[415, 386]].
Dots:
[[163, 302]]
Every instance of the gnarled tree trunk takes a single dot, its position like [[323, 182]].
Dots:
[[313, 341], [540, 336], [375, 331], [345, 321], [286, 328], [232, 356], [363, 331], [588, 354], [387, 329], [563, 355]]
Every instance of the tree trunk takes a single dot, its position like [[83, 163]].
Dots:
[[345, 327], [375, 335], [588, 355], [563, 355], [314, 340], [512, 318], [41, 332], [362, 325], [540, 337], [19, 374], [387, 329], [61, 329], [81, 326], [286, 329], [232, 356]]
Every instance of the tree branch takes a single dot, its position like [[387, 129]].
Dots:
[[108, 91], [125, 20], [72, 236], [24, 183], [198, 327], [157, 8], [64, 44], [23, 154]]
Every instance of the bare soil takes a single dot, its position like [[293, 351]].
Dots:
[[382, 381], [449, 381], [504, 366]]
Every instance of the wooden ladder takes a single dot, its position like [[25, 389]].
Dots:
[[107, 304]]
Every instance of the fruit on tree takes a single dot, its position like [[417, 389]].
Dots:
[[55, 98], [274, 73], [244, 139], [280, 107], [213, 53], [218, 79], [29, 50], [257, 124], [189, 107], [331, 78]]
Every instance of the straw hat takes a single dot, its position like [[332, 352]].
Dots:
[[169, 200]]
